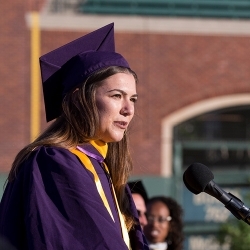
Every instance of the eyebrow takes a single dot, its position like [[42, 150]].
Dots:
[[123, 92]]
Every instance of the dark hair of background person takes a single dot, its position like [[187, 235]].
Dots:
[[137, 187], [140, 198], [175, 236]]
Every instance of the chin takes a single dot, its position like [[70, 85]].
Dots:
[[114, 139], [111, 135]]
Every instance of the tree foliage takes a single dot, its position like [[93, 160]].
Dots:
[[236, 233]]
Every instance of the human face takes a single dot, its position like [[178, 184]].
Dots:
[[141, 208], [158, 225], [115, 100]]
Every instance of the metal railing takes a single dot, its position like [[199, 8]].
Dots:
[[194, 8]]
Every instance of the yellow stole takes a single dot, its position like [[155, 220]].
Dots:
[[102, 149]]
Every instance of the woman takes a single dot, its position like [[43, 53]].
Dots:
[[67, 189], [165, 226]]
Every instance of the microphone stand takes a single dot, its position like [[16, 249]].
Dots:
[[231, 202], [238, 209]]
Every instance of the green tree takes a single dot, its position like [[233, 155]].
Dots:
[[235, 233]]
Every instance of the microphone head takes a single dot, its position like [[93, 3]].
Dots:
[[196, 177]]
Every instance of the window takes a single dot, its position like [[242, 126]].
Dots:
[[218, 139]]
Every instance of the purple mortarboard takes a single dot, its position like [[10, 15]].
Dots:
[[70, 65]]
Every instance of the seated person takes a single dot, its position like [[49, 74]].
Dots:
[[165, 225]]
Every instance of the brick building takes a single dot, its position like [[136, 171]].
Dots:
[[187, 66]]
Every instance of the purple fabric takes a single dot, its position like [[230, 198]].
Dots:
[[90, 151], [80, 67], [98, 40], [96, 159], [54, 204], [70, 65]]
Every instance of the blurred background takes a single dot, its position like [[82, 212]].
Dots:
[[192, 58]]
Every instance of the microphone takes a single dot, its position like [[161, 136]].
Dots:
[[198, 178]]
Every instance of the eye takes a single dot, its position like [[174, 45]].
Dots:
[[133, 99], [117, 96]]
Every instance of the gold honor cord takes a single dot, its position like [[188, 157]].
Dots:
[[123, 225], [87, 163]]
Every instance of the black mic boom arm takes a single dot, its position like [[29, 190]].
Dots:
[[238, 209]]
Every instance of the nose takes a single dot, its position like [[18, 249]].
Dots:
[[152, 222], [128, 108], [143, 220]]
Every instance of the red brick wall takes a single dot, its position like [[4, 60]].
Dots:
[[14, 86], [174, 71]]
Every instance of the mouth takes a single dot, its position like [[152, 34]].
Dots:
[[154, 233], [121, 124]]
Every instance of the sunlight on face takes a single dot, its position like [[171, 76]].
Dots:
[[115, 100]]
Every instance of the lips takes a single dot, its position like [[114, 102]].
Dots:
[[154, 233], [121, 124]]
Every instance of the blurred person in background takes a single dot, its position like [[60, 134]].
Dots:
[[165, 224], [140, 198]]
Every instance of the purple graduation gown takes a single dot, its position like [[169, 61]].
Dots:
[[53, 204]]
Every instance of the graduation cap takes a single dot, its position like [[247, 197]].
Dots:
[[71, 64], [137, 187]]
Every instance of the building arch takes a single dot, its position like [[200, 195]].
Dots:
[[186, 113]]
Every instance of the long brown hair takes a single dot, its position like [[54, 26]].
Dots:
[[76, 125]]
